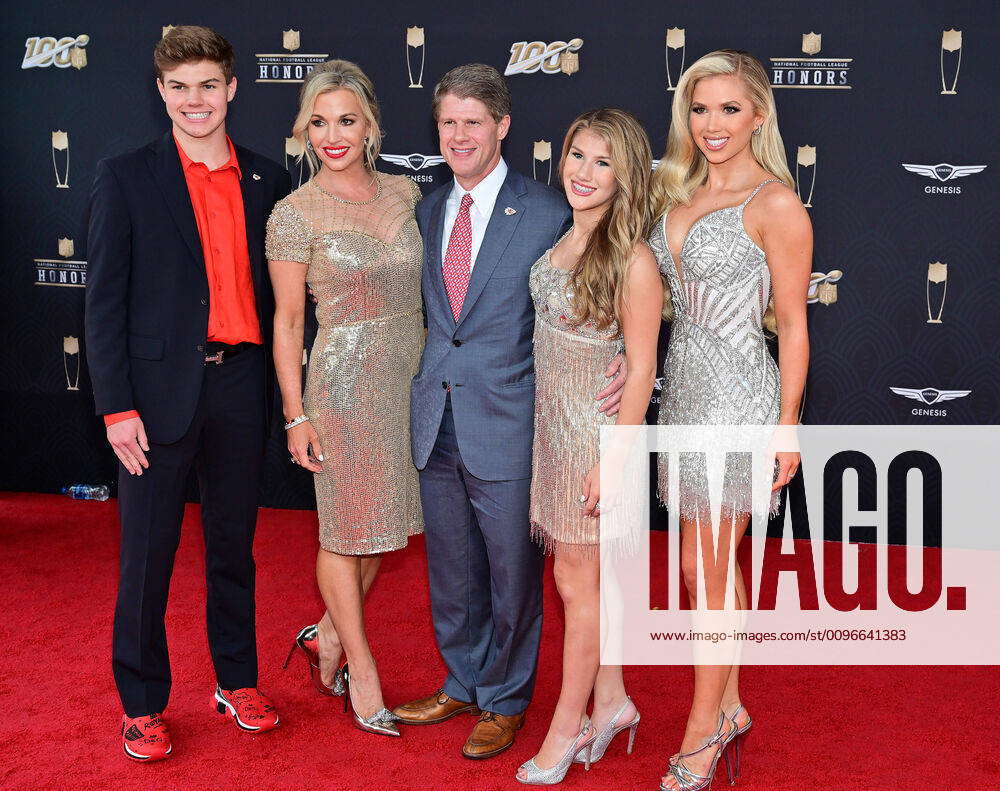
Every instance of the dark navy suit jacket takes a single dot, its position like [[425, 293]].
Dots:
[[147, 295]]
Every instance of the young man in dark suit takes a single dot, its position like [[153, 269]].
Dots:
[[178, 316]]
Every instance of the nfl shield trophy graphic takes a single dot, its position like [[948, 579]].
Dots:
[[66, 248], [166, 29], [60, 161], [290, 40], [415, 40], [295, 158], [805, 158], [937, 275], [569, 62], [675, 40], [542, 153], [827, 291], [71, 361], [823, 287], [951, 41], [811, 43], [78, 57]]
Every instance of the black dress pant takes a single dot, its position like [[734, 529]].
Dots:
[[225, 444]]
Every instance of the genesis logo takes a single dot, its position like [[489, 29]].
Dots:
[[415, 162], [930, 396], [943, 172]]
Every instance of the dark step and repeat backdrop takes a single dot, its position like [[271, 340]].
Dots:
[[888, 112]]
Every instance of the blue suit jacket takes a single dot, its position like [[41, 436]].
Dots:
[[486, 357]]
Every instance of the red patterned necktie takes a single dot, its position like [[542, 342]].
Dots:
[[458, 258]]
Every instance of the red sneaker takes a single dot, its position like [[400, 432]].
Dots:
[[251, 710], [146, 738]]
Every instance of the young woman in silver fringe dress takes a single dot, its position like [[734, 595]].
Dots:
[[596, 292]]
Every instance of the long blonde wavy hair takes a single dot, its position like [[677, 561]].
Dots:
[[331, 76], [599, 278], [683, 168]]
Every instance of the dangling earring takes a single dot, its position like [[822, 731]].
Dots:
[[309, 145], [757, 130]]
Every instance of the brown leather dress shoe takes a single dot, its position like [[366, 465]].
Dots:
[[433, 709], [493, 734]]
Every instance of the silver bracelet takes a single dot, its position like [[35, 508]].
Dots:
[[296, 421]]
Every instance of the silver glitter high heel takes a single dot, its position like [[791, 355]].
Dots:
[[738, 737], [382, 722], [554, 775], [609, 731], [688, 780]]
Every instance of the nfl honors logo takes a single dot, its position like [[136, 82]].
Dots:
[[63, 271], [289, 66], [811, 72]]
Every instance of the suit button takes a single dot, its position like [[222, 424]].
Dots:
[[456, 342], [201, 348], [204, 302], [444, 385]]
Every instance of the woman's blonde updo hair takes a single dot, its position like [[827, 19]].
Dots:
[[683, 168], [331, 76], [599, 278]]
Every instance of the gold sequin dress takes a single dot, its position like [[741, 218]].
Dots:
[[569, 371], [364, 264]]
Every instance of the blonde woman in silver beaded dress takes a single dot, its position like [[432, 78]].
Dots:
[[350, 234], [731, 238], [596, 293]]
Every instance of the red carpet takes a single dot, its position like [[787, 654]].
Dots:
[[836, 729]]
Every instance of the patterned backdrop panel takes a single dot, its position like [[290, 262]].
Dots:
[[887, 115]]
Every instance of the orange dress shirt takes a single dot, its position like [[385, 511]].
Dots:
[[218, 210]]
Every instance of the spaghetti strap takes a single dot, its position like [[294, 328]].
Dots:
[[758, 189]]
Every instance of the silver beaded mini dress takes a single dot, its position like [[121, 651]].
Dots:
[[364, 263], [718, 370], [569, 371]]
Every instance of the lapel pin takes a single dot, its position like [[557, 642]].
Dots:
[[509, 211], [256, 177]]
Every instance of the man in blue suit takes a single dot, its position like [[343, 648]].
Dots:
[[472, 413]]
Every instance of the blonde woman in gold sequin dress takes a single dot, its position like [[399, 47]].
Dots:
[[350, 234], [730, 235], [596, 292]]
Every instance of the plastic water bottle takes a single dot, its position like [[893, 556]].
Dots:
[[86, 491]]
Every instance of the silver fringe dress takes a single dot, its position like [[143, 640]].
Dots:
[[718, 370], [569, 371]]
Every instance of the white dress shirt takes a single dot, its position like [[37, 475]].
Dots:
[[484, 197]]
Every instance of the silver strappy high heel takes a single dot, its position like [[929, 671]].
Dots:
[[549, 777], [688, 780], [610, 730], [382, 721], [737, 737]]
